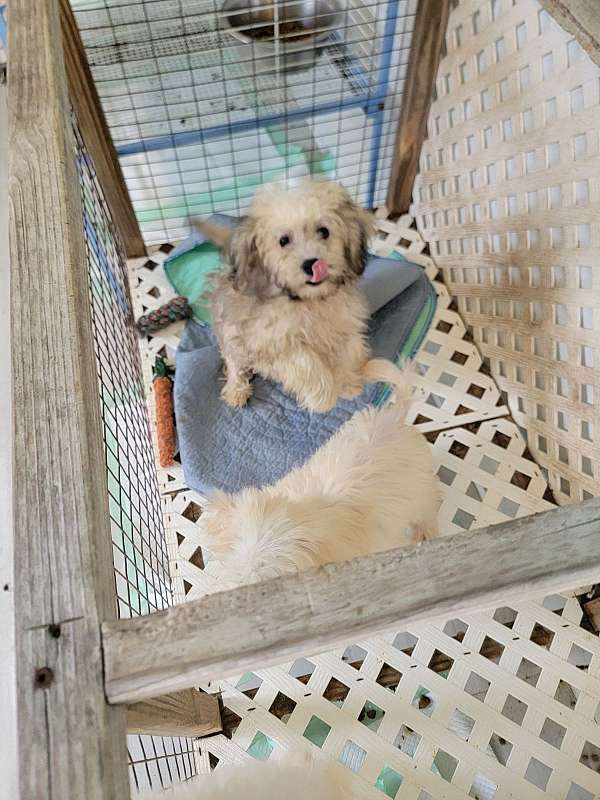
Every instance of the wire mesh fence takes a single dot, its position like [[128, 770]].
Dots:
[[142, 581], [208, 99]]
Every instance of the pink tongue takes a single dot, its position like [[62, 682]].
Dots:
[[320, 270]]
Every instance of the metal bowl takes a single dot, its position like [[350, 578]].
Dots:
[[282, 31]]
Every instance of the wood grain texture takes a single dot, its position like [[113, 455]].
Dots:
[[8, 683], [299, 614], [72, 745], [186, 713], [581, 18], [96, 134], [426, 47]]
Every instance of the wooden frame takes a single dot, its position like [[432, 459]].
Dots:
[[78, 665], [425, 51], [8, 751], [188, 713], [72, 744]]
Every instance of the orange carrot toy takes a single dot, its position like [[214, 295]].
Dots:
[[165, 419]]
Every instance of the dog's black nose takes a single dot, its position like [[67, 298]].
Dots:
[[307, 265]]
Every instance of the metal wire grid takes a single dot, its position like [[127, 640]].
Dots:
[[200, 118], [160, 762], [142, 580]]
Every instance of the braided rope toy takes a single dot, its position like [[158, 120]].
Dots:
[[176, 309]]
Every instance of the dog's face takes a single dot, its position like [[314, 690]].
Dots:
[[304, 243]]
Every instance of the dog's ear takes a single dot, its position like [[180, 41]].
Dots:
[[247, 272], [360, 227]]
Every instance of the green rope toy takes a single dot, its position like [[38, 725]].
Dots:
[[176, 309]]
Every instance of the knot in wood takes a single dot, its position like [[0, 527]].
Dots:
[[43, 678]]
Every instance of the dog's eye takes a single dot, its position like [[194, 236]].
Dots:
[[323, 233], [284, 241]]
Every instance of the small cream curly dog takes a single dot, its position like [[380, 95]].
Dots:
[[294, 776], [371, 487], [288, 307]]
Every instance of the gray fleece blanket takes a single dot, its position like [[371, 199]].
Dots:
[[230, 449]]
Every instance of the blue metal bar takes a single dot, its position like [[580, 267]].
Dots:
[[382, 84], [370, 104], [3, 33]]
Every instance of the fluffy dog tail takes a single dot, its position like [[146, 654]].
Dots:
[[217, 234], [380, 370]]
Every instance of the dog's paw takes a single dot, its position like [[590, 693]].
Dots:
[[236, 395]]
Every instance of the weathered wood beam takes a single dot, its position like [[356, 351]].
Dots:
[[581, 18], [96, 135], [8, 700], [71, 743], [185, 713], [266, 623], [426, 47]]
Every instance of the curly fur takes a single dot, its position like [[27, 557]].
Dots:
[[270, 319], [294, 776], [371, 487]]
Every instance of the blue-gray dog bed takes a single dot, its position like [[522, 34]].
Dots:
[[233, 448]]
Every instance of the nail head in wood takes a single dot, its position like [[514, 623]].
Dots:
[[44, 677]]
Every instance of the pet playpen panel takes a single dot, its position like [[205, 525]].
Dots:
[[508, 200], [142, 580], [501, 703], [203, 109]]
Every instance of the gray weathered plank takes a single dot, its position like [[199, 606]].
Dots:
[[185, 713], [581, 18], [425, 50], [298, 614], [8, 699], [71, 743]]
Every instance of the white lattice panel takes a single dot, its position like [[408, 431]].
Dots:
[[454, 391], [508, 200], [501, 704], [485, 477]]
